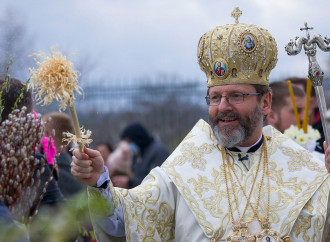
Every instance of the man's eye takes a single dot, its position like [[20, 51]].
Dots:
[[214, 97], [235, 95]]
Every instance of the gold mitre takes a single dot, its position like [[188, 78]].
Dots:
[[237, 54]]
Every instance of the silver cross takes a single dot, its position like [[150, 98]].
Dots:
[[306, 28]]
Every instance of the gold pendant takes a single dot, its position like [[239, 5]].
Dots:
[[241, 234], [268, 235]]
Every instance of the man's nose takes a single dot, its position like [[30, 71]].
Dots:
[[224, 105]]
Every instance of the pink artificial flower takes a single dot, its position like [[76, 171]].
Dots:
[[49, 149]]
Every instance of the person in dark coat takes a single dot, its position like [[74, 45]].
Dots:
[[148, 152]]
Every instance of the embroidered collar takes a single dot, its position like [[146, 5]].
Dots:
[[251, 149]]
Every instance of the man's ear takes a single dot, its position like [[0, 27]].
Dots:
[[272, 118], [266, 103]]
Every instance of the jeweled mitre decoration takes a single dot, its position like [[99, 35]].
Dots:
[[237, 54]]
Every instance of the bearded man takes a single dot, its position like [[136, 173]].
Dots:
[[231, 180]]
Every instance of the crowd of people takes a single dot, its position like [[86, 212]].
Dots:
[[236, 177]]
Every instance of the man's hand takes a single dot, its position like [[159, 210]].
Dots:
[[87, 167], [327, 155]]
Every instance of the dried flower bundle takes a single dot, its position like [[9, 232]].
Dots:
[[54, 79], [85, 134], [20, 136]]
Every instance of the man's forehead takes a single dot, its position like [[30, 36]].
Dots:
[[233, 88], [300, 101]]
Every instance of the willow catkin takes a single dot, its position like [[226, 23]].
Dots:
[[20, 137]]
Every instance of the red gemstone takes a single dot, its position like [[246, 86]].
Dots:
[[317, 73]]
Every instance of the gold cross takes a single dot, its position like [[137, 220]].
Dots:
[[236, 13], [306, 28]]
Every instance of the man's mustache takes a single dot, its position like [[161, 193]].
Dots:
[[225, 115]]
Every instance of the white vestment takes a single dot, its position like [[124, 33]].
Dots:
[[186, 199]]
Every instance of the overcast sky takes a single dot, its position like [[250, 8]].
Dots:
[[136, 38]]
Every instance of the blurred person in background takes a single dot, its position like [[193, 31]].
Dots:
[[314, 113], [105, 149], [119, 164], [56, 124], [282, 114], [146, 153], [118, 161]]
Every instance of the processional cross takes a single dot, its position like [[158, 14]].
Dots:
[[315, 73]]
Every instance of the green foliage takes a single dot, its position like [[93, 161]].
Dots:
[[6, 85], [13, 232], [21, 95], [68, 221], [7, 76]]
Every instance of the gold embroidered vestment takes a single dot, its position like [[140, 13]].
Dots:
[[185, 199]]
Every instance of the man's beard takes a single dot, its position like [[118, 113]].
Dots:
[[230, 136]]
